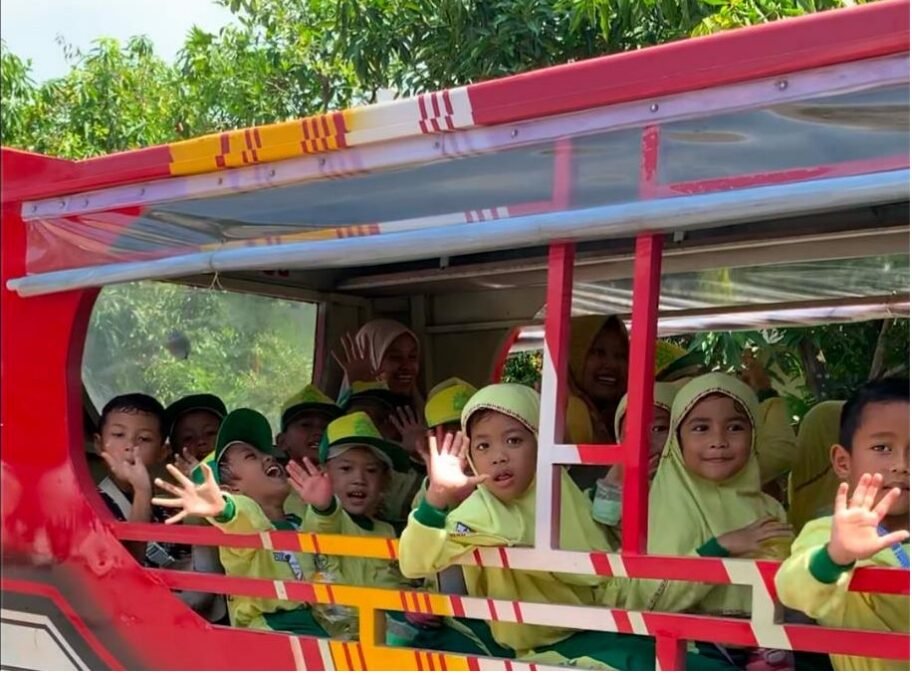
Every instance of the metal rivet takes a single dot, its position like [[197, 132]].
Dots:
[[782, 84], [272, 173], [322, 161], [514, 133], [85, 202], [61, 204], [142, 191], [220, 180], [437, 145], [654, 107], [34, 208]]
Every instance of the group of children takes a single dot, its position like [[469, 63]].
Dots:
[[462, 477]]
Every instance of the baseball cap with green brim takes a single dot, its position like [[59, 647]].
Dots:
[[309, 399], [358, 431], [239, 426], [193, 403]]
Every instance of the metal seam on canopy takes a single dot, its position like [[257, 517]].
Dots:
[[618, 220]]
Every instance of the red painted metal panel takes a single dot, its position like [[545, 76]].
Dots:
[[647, 271], [761, 51]]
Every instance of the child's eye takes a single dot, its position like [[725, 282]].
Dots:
[[514, 440], [699, 427], [881, 448], [736, 426], [118, 434]]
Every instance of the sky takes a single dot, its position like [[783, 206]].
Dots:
[[30, 27]]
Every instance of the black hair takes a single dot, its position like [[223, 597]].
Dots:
[[134, 403], [887, 390]]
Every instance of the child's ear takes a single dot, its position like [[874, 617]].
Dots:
[[280, 441], [164, 453], [841, 459], [224, 487], [96, 441]]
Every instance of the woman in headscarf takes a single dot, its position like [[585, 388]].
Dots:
[[599, 348], [383, 349], [812, 482]]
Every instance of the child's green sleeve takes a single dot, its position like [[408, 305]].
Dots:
[[809, 581], [242, 515], [777, 444], [426, 547], [324, 522]]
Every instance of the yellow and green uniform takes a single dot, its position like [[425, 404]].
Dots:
[[687, 513], [812, 482], [242, 515], [810, 582], [433, 540]]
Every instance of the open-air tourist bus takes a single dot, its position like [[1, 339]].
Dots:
[[752, 179]]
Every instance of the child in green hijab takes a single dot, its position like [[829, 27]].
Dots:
[[606, 506], [707, 500], [501, 449]]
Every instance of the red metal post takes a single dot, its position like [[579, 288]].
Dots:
[[559, 298], [647, 270], [670, 653]]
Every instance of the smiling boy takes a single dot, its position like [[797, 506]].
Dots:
[[871, 528]]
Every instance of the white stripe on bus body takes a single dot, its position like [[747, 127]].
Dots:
[[767, 632]]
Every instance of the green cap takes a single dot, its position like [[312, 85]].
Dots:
[[241, 426], [357, 430], [187, 404], [309, 399]]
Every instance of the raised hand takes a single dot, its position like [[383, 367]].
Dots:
[[126, 466], [447, 480], [202, 501], [313, 486], [413, 431], [748, 541], [855, 534], [185, 462], [355, 360]]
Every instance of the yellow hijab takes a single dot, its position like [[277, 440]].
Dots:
[[686, 511], [583, 422], [812, 482]]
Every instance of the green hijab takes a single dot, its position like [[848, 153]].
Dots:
[[812, 482], [663, 395], [686, 511]]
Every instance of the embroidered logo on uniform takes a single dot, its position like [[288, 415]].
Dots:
[[462, 528], [292, 561]]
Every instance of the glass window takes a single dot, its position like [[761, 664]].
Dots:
[[169, 340]]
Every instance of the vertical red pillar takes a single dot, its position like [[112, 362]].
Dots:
[[670, 653], [647, 271]]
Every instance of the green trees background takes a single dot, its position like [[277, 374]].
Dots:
[[283, 60]]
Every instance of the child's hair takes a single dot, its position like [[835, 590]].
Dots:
[[476, 417], [887, 390], [134, 403]]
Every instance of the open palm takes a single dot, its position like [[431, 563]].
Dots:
[[313, 486], [446, 467], [855, 533], [203, 501]]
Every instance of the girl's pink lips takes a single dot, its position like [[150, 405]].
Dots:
[[503, 478]]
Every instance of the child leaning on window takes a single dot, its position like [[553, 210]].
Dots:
[[870, 528], [244, 490]]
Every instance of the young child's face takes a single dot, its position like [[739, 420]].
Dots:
[[399, 367], [358, 478], [658, 435], [255, 474], [506, 451], [716, 438], [605, 369], [196, 431], [302, 437], [880, 445], [132, 430]]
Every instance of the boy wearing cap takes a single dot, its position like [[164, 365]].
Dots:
[[193, 423], [304, 419], [358, 461], [393, 417], [244, 490]]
